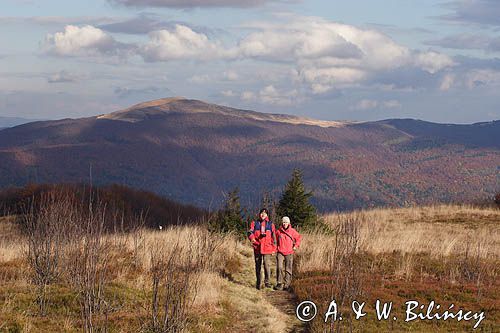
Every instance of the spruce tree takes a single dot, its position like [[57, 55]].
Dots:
[[295, 204], [229, 219], [269, 203]]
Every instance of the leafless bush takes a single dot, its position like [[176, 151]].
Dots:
[[88, 266], [406, 266], [175, 269], [138, 240], [344, 263], [46, 224], [471, 265]]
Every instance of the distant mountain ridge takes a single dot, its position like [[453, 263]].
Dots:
[[165, 106], [194, 152], [483, 134], [13, 121]]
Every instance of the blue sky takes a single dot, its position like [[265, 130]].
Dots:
[[334, 60]]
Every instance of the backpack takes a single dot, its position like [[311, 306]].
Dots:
[[269, 226]]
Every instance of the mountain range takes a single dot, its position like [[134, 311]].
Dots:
[[14, 121], [194, 152]]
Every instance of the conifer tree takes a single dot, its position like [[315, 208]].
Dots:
[[269, 203], [229, 219], [295, 204]]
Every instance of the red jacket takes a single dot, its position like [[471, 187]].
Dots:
[[264, 243], [287, 239]]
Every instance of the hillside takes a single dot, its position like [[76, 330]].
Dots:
[[13, 121], [193, 151]]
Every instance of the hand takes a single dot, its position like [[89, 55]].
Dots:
[[294, 248], [254, 241]]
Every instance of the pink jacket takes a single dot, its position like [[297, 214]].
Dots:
[[287, 240]]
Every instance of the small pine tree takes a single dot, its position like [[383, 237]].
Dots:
[[269, 203], [295, 204], [229, 219]]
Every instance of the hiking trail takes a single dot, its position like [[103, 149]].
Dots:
[[282, 303]]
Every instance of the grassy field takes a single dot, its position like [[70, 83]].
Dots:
[[450, 254], [446, 254]]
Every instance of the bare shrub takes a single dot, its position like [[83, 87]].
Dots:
[[174, 274], [406, 266], [176, 264], [47, 232], [88, 266], [344, 264]]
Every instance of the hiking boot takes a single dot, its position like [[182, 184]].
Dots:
[[268, 285], [279, 286], [287, 288], [257, 286]]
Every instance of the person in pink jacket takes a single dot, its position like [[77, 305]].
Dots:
[[288, 240], [262, 234]]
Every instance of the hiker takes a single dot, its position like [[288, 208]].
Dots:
[[288, 241], [262, 234]]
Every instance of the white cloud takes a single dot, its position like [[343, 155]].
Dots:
[[230, 75], [272, 96], [329, 55], [181, 43], [192, 3], [324, 79], [481, 77], [62, 77], [228, 93], [199, 79], [327, 43], [433, 62], [247, 96], [369, 104], [391, 104], [81, 41], [447, 82], [365, 104], [309, 56]]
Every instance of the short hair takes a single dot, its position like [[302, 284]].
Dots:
[[264, 210]]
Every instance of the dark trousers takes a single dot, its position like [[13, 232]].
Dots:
[[284, 269], [259, 258]]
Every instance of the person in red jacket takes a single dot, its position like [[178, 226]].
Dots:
[[262, 234], [288, 241]]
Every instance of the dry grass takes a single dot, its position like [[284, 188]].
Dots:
[[399, 241], [129, 276], [435, 230], [10, 240], [440, 252]]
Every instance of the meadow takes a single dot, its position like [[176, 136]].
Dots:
[[183, 278], [449, 254]]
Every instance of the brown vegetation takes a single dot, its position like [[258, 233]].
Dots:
[[129, 203], [183, 278], [84, 266], [450, 254]]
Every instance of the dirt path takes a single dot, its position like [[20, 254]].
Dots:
[[282, 303], [286, 302]]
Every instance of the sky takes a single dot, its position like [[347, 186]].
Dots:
[[334, 60]]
